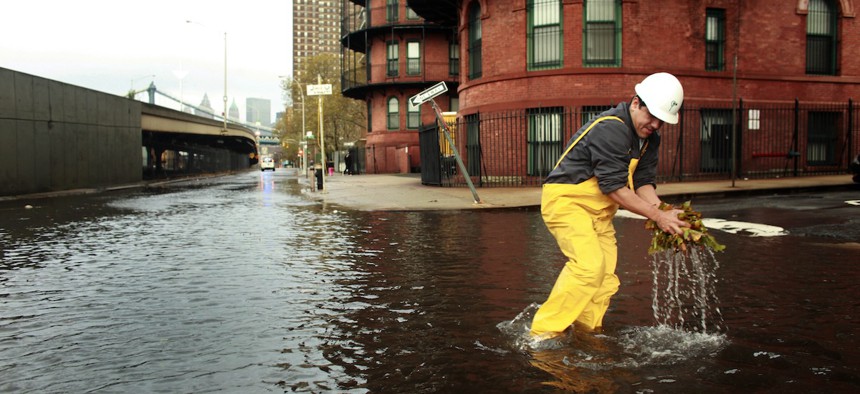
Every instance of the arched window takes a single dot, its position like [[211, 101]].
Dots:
[[393, 113], [474, 40], [821, 37]]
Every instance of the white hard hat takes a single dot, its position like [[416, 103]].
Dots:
[[663, 95]]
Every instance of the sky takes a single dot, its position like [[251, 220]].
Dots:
[[115, 45]]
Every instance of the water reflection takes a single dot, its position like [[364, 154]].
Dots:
[[242, 285]]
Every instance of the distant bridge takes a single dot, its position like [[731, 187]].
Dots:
[[152, 90], [56, 136], [178, 143]]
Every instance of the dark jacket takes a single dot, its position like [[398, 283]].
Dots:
[[605, 152]]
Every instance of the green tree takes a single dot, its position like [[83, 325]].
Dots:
[[345, 119]]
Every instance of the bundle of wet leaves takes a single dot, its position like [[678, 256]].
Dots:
[[695, 235]]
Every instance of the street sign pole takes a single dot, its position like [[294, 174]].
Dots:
[[428, 95], [321, 90]]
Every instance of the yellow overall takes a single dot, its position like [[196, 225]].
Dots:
[[580, 218]]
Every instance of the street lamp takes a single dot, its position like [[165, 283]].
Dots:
[[223, 114], [309, 134], [180, 74], [302, 90]]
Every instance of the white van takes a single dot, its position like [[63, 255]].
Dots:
[[267, 163]]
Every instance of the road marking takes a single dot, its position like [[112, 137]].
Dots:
[[853, 202], [754, 229], [729, 226]]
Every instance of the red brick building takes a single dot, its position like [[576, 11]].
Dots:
[[599, 58], [389, 55], [560, 61]]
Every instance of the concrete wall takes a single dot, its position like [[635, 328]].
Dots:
[[55, 136]]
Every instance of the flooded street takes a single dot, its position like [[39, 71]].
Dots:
[[242, 284]]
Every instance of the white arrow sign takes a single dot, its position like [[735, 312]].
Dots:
[[319, 90], [428, 94]]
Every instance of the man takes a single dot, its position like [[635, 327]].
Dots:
[[348, 160], [610, 161]]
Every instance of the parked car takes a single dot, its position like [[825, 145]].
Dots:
[[267, 163]]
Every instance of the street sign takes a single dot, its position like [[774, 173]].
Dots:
[[428, 94], [319, 90]]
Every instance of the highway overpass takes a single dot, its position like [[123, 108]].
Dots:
[[56, 136]]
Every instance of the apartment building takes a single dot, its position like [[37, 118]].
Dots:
[[769, 85], [389, 54], [316, 30]]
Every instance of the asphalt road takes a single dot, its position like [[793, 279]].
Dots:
[[828, 214]]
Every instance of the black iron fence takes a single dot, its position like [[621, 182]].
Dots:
[[754, 140]]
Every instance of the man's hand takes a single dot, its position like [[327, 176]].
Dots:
[[668, 221], [646, 203]]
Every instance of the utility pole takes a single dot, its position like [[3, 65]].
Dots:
[[320, 90]]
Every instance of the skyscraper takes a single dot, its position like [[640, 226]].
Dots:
[[316, 30], [258, 110], [233, 114], [205, 108]]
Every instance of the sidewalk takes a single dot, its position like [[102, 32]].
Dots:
[[404, 192]]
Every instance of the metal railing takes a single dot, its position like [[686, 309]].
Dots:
[[768, 140], [355, 77]]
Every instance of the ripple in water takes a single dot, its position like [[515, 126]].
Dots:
[[688, 326]]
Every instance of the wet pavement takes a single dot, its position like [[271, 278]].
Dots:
[[405, 191], [252, 283]]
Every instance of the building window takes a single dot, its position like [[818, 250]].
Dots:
[[822, 137], [454, 58], [473, 145], [602, 35], [475, 40], [544, 34], [413, 116], [821, 38], [590, 112], [393, 114], [544, 139], [413, 58], [716, 141], [393, 58], [368, 65], [754, 119], [391, 11], [369, 116], [454, 104], [715, 39]]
